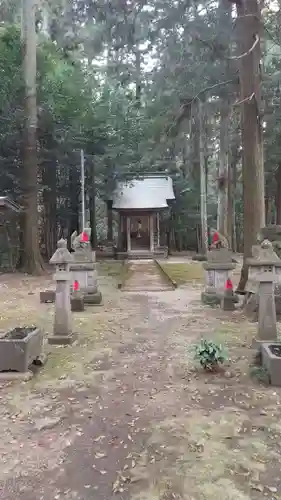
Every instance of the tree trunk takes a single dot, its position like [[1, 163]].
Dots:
[[278, 195], [268, 204], [49, 179], [252, 157], [223, 170], [93, 220], [230, 216], [195, 145], [224, 218], [30, 260]]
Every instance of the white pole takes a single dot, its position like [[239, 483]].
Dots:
[[83, 188], [203, 196]]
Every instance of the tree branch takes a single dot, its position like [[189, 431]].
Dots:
[[257, 39], [249, 98]]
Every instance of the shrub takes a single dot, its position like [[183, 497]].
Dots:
[[210, 355]]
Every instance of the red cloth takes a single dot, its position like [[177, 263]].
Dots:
[[84, 237], [75, 286], [216, 237], [228, 285]]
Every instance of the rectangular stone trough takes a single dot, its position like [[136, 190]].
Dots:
[[19, 348], [47, 296], [271, 360]]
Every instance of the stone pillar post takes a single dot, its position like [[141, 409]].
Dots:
[[63, 319], [267, 328], [109, 222], [120, 233], [128, 221], [151, 233], [158, 230]]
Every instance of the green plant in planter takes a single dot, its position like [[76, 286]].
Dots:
[[210, 355]]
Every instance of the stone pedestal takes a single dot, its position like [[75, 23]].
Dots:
[[228, 301], [77, 302], [63, 319], [217, 271]]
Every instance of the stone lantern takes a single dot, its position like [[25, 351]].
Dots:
[[264, 260], [63, 320]]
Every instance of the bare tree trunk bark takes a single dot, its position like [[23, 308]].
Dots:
[[224, 219], [223, 177], [49, 179], [249, 22], [230, 217], [278, 195], [31, 261], [93, 218]]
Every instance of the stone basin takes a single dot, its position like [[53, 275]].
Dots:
[[271, 360], [19, 348]]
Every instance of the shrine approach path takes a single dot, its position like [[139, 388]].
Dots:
[[124, 414]]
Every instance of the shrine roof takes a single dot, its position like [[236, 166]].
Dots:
[[152, 192]]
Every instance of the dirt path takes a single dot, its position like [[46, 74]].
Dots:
[[144, 276], [124, 414]]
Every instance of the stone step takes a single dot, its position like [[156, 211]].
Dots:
[[148, 288]]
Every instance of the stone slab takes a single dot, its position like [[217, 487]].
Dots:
[[77, 304], [93, 299], [208, 266], [220, 256], [48, 296], [10, 376], [228, 303], [62, 339], [210, 299], [267, 328]]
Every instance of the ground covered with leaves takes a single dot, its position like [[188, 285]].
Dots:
[[126, 413]]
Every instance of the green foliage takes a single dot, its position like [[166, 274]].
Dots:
[[210, 355]]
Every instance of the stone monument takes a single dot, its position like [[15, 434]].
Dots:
[[267, 327], [266, 340], [63, 319], [264, 259], [83, 268], [217, 271]]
